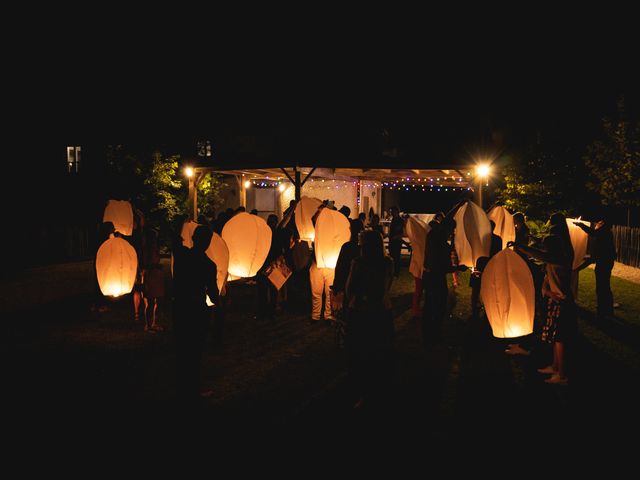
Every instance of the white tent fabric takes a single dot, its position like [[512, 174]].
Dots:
[[305, 210], [248, 238], [508, 295], [473, 234], [417, 233], [116, 266], [505, 228], [120, 213], [331, 232]]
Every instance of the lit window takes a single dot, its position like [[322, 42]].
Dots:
[[73, 159], [204, 148]]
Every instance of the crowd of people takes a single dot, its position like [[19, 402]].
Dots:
[[354, 297]]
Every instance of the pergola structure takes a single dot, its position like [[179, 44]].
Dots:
[[393, 177]]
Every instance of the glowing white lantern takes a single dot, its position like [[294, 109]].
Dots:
[[187, 233], [417, 233], [579, 240], [120, 213], [423, 217], [305, 210], [505, 228], [116, 265], [508, 295], [473, 234], [219, 254], [332, 231], [248, 238]]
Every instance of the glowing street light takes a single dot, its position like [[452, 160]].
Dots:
[[482, 171], [188, 171], [247, 184]]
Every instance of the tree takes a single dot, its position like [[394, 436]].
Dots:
[[539, 182], [614, 162], [165, 192]]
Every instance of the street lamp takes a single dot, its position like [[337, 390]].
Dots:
[[482, 171], [190, 173]]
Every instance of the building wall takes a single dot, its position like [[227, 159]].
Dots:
[[340, 191]]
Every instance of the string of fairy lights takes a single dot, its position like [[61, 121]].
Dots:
[[432, 184]]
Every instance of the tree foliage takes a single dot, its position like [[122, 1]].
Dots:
[[538, 183], [155, 184], [614, 161]]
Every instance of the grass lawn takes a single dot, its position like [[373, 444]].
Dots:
[[619, 338], [626, 293]]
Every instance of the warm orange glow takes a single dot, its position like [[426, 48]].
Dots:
[[331, 232], [247, 184], [282, 187], [508, 295], [116, 265], [248, 238], [483, 170], [188, 171], [305, 209]]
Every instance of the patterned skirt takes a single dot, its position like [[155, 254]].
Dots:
[[561, 323]]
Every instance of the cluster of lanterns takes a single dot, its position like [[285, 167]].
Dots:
[[507, 289]]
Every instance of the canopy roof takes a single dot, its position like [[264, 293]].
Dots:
[[459, 177]]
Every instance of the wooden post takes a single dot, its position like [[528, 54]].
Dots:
[[193, 198], [297, 183]]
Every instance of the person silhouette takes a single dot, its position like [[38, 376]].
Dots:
[[194, 278]]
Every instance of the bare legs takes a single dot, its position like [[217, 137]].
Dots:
[[153, 326], [137, 297]]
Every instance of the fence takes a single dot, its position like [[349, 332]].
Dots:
[[627, 241]]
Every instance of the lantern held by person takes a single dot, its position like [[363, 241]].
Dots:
[[508, 295], [505, 228], [473, 234], [116, 265], [305, 210], [579, 240], [417, 233], [187, 233], [120, 213], [332, 231], [219, 254], [248, 238]]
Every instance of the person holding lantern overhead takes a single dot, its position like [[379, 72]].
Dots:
[[194, 278], [560, 328], [321, 280], [437, 263], [604, 255]]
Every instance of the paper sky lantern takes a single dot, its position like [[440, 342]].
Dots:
[[417, 233], [305, 210], [332, 231], [473, 234], [248, 238], [508, 295], [187, 233], [116, 265], [219, 254], [505, 228], [120, 213], [423, 217], [579, 240]]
